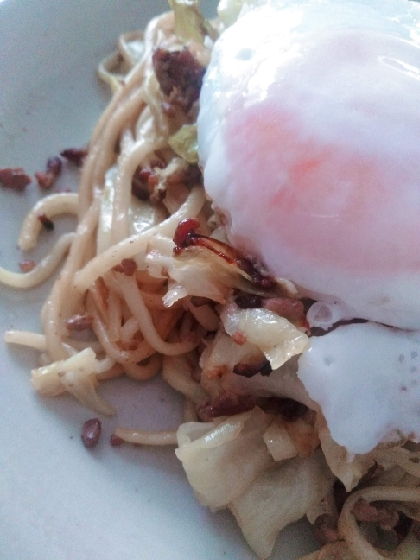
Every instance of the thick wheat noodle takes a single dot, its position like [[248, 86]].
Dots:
[[52, 205], [125, 104], [137, 307], [102, 153], [134, 78], [128, 330], [189, 412], [114, 316], [117, 370], [130, 247], [96, 294], [347, 525], [153, 300], [204, 315], [42, 271], [147, 371], [122, 198], [176, 372], [145, 437], [142, 352], [26, 338], [63, 297]]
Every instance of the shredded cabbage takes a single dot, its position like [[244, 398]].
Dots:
[[222, 458], [184, 143], [281, 495], [274, 335]]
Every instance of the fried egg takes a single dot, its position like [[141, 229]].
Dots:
[[309, 136]]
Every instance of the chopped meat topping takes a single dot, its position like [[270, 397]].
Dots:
[[249, 370], [91, 432], [143, 182], [75, 155], [46, 222], [127, 266], [27, 266], [79, 322], [226, 404], [14, 178], [179, 75], [248, 301], [47, 179]]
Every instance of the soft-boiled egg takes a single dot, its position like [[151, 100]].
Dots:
[[309, 135]]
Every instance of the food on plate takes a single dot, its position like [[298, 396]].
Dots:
[[247, 229]]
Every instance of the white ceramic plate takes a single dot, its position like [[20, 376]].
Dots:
[[57, 500]]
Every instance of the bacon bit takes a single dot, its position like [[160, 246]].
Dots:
[[127, 266], [169, 110], [46, 222], [285, 307], [190, 176], [240, 338], [91, 432], [79, 322], [116, 441], [143, 182], [325, 529], [248, 301], [186, 235], [54, 165], [289, 409], [226, 404], [46, 180], [27, 266], [386, 517], [179, 75], [249, 370], [75, 155], [193, 176], [14, 178]]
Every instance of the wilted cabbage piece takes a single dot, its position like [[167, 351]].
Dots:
[[274, 335], [184, 143], [280, 495], [222, 458], [279, 442], [199, 277], [223, 353]]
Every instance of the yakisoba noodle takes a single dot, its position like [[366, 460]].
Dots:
[[161, 316]]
